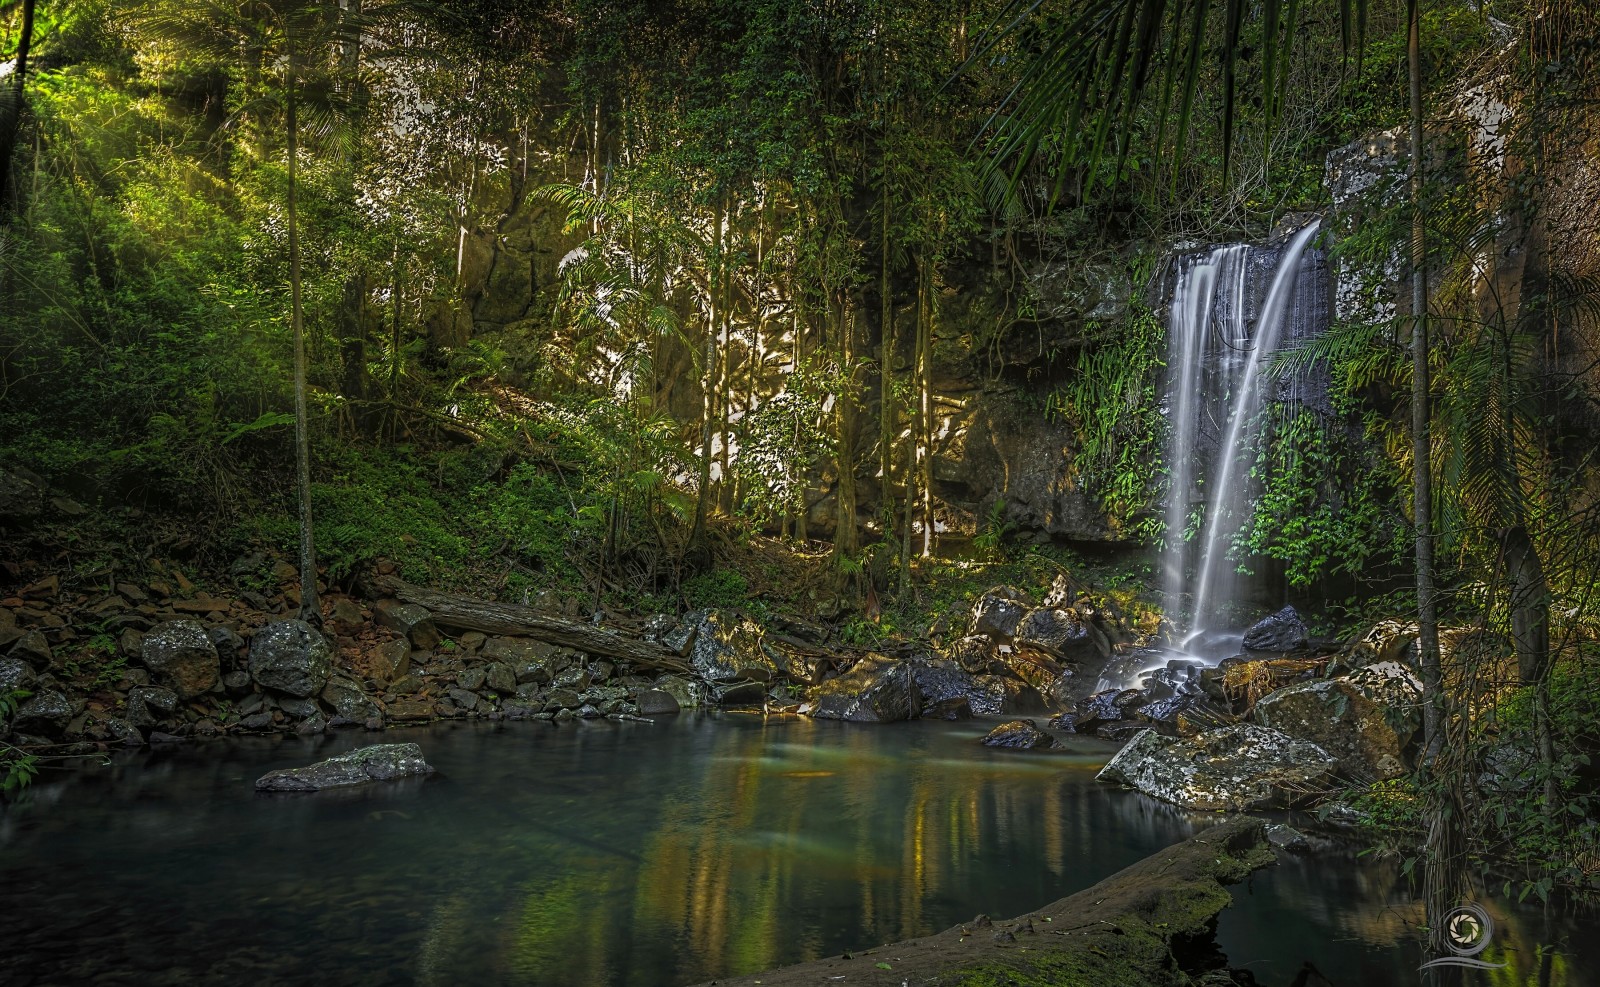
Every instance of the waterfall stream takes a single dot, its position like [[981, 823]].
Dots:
[[1217, 355]]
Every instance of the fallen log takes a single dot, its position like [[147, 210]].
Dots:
[[1140, 927], [469, 614]]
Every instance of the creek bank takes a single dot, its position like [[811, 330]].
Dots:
[[1149, 925]]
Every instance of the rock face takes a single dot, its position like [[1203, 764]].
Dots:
[[1283, 631], [290, 657], [723, 647], [380, 762], [181, 656], [1061, 633], [999, 612], [1018, 734], [1365, 719], [875, 691], [1238, 767]]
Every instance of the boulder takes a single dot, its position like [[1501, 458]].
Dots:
[[148, 703], [1062, 633], [972, 652], [349, 701], [182, 657], [725, 647], [32, 648], [656, 702], [410, 710], [687, 692], [1018, 734], [740, 693], [123, 732], [48, 711], [1043, 673], [392, 659], [300, 709], [1240, 767], [1387, 640], [1365, 719], [409, 621], [957, 708], [562, 699], [1282, 631], [291, 657], [876, 690], [500, 678], [346, 617], [471, 679], [15, 674], [380, 762], [515, 650], [999, 612]]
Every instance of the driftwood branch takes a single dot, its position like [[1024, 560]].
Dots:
[[468, 614]]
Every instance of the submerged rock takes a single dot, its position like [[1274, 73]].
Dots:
[[291, 657], [1238, 767], [380, 762], [1282, 631], [1018, 734]]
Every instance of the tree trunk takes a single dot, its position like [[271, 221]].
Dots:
[[310, 609], [11, 107]]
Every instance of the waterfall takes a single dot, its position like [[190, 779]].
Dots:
[[1217, 354]]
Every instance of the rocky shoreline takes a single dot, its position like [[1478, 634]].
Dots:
[[1282, 725]]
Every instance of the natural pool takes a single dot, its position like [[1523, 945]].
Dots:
[[641, 854]]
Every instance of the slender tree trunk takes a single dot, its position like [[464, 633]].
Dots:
[[354, 328], [310, 609], [11, 107], [886, 411], [395, 357], [925, 399], [845, 542], [708, 395]]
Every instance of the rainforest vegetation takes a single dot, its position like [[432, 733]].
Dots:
[[831, 313]]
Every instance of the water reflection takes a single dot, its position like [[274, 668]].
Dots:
[[612, 854]]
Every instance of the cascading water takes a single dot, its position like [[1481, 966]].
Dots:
[[1218, 354]]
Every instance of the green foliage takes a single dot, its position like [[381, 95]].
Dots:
[[1111, 404], [1326, 504], [17, 768], [717, 588]]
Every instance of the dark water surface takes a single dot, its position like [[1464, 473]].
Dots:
[[644, 855]]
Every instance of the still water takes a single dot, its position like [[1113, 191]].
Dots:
[[648, 855]]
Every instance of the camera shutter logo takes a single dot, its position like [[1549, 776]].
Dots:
[[1467, 931]]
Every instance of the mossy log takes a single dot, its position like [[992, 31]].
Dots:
[[1149, 925], [469, 614]]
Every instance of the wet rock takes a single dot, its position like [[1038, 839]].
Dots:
[[972, 652], [312, 726], [1065, 722], [380, 762], [181, 656], [687, 692], [515, 650], [533, 671], [464, 699], [1238, 767], [148, 703], [406, 684], [471, 679], [658, 627], [256, 722], [500, 678], [589, 712], [740, 693], [161, 737], [874, 691], [577, 678], [130, 643], [1018, 734], [600, 670], [290, 657], [300, 709], [47, 711], [123, 732], [1282, 631], [1287, 838], [1043, 673], [409, 621], [15, 674], [32, 648], [1062, 633], [1365, 719], [349, 701], [726, 646], [656, 702], [999, 612], [562, 699], [955, 708], [393, 659], [1005, 696]]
